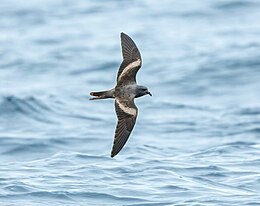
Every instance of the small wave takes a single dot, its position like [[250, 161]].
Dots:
[[41, 194], [221, 187], [55, 195], [248, 111], [29, 107], [28, 148], [18, 187], [151, 204], [231, 5], [92, 157], [102, 196], [98, 68], [227, 148], [179, 106]]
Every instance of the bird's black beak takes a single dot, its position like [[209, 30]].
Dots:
[[149, 93]]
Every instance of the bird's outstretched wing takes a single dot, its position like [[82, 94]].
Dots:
[[126, 113], [132, 61]]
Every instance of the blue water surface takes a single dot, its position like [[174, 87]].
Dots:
[[197, 139]]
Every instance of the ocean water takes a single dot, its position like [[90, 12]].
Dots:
[[197, 139]]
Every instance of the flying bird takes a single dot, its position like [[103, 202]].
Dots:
[[124, 93]]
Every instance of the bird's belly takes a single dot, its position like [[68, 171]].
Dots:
[[127, 91]]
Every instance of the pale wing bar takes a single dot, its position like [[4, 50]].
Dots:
[[131, 54], [126, 114]]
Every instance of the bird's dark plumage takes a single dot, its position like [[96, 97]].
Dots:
[[131, 59], [125, 124], [125, 92]]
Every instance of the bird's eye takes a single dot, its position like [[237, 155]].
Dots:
[[144, 89]]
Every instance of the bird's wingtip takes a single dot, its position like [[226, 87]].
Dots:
[[123, 34], [113, 154]]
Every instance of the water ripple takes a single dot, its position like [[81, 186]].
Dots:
[[196, 140]]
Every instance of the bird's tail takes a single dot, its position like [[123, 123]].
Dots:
[[102, 94]]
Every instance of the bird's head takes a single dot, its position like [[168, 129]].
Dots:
[[141, 91]]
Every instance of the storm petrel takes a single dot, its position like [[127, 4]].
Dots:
[[124, 93]]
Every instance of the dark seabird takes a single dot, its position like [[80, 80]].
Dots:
[[124, 93]]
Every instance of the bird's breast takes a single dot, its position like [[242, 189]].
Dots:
[[126, 91]]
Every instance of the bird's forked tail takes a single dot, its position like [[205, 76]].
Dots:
[[102, 94]]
